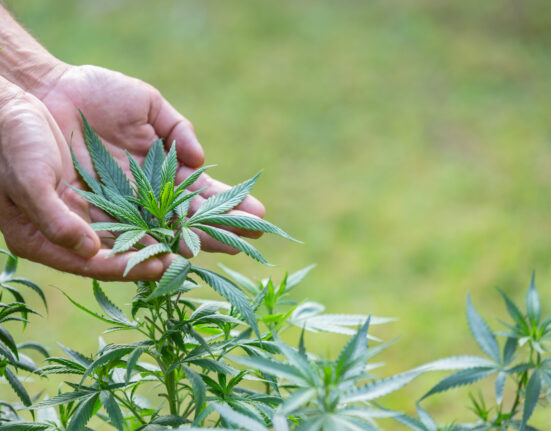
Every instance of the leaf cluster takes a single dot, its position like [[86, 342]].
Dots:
[[13, 310], [199, 363]]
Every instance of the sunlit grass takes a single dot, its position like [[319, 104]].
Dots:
[[405, 142]]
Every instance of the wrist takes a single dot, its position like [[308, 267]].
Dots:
[[23, 61]]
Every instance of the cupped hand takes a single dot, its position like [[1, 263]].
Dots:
[[129, 114], [41, 217]]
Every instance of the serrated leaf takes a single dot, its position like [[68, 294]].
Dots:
[[62, 399], [169, 167], [133, 360], [242, 280], [273, 368], [169, 420], [380, 388], [119, 209], [457, 363], [482, 332], [192, 178], [7, 339], [245, 222], [172, 279], [17, 387], [86, 310], [182, 209], [144, 254], [532, 394], [6, 353], [58, 369], [222, 202], [12, 260], [198, 386], [216, 366], [426, 419], [514, 311], [299, 362], [108, 306], [192, 240], [30, 345], [296, 277], [461, 378], [152, 165], [30, 285], [113, 410], [235, 418], [509, 350], [126, 241], [88, 179], [232, 240], [129, 208], [107, 168], [114, 227], [500, 386], [410, 422], [297, 399], [231, 292], [25, 426], [533, 306], [82, 414], [75, 356], [205, 309], [351, 358], [280, 423], [141, 179], [106, 358]]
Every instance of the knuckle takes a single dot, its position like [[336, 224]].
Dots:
[[188, 124], [15, 247], [61, 233]]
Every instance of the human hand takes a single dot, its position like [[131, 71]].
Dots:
[[41, 217], [129, 114]]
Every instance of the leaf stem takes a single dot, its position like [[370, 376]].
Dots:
[[128, 404]]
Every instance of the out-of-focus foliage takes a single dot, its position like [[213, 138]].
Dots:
[[416, 133]]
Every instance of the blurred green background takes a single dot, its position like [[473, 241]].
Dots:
[[406, 143]]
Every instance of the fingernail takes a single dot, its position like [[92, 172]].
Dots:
[[86, 247]]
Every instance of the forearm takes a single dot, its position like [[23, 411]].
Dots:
[[23, 61]]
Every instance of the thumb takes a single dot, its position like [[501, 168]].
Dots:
[[57, 222]]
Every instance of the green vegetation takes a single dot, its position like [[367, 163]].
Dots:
[[406, 143], [186, 383]]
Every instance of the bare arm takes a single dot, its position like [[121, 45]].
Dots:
[[23, 60], [128, 114]]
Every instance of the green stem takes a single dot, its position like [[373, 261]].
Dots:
[[129, 406], [517, 396], [170, 383], [153, 323]]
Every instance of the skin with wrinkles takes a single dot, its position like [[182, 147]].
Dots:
[[41, 218]]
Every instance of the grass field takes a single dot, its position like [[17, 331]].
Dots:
[[406, 143]]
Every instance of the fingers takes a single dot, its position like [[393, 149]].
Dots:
[[25, 241], [172, 126], [58, 223], [111, 268], [250, 204], [30, 171]]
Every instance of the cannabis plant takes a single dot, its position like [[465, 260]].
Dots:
[[12, 358], [197, 363], [522, 363]]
